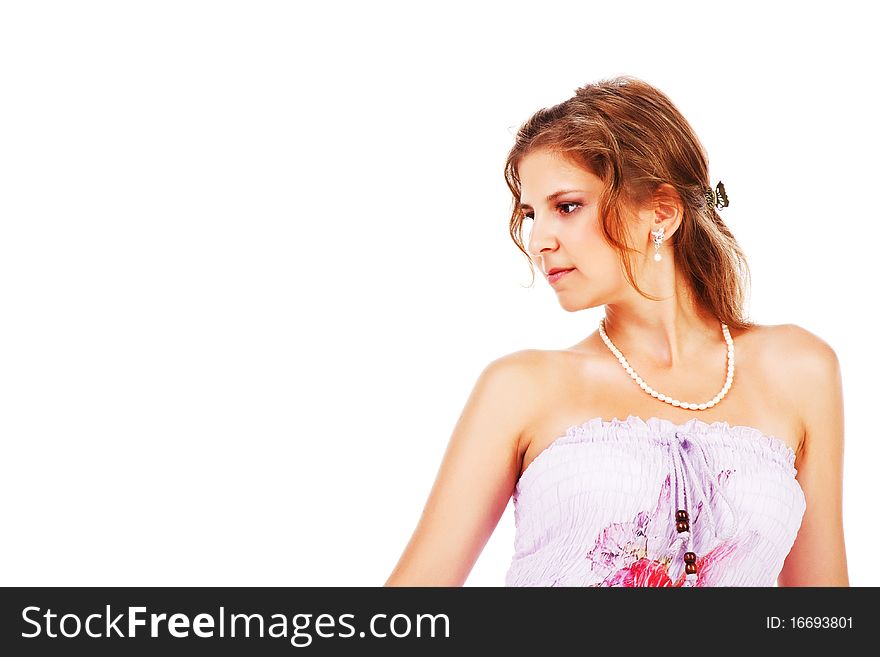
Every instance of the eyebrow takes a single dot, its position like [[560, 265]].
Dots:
[[552, 196]]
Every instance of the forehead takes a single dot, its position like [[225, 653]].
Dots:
[[542, 172]]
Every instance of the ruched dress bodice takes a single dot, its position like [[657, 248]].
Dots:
[[598, 506]]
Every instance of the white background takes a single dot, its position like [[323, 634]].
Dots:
[[255, 254]]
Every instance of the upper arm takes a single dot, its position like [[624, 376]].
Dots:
[[475, 479], [818, 556]]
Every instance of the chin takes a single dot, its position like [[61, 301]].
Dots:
[[571, 306]]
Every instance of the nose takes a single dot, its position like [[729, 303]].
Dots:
[[541, 238]]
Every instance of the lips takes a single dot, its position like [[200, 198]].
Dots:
[[556, 270], [557, 274]]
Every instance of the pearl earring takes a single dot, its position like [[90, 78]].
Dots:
[[657, 236]]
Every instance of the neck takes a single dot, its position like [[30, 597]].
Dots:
[[662, 334]]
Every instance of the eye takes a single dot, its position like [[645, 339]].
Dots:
[[529, 215]]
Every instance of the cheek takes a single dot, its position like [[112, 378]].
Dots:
[[592, 248], [586, 230], [593, 256], [599, 263]]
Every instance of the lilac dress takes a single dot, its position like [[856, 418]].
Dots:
[[598, 506]]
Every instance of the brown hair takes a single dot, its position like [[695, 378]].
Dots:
[[630, 135]]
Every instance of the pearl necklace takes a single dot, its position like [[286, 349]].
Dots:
[[666, 398]]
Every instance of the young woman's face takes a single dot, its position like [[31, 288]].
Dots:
[[565, 232]]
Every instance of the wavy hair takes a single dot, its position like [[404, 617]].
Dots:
[[631, 136]]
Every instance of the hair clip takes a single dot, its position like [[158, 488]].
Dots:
[[716, 197]]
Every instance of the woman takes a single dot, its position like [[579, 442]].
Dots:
[[727, 469]]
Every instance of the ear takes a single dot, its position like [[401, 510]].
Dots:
[[667, 210]]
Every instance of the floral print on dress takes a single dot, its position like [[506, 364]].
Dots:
[[603, 472], [647, 550]]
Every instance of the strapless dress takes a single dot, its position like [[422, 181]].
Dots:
[[640, 502]]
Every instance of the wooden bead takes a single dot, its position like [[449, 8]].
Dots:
[[681, 514], [690, 568], [682, 526], [690, 557]]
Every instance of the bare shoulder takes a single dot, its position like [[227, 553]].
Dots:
[[516, 377], [523, 363], [805, 342], [513, 385], [793, 350], [808, 368], [476, 477]]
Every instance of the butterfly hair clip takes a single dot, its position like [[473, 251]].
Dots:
[[716, 197]]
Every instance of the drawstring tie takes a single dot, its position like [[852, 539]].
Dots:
[[692, 470]]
